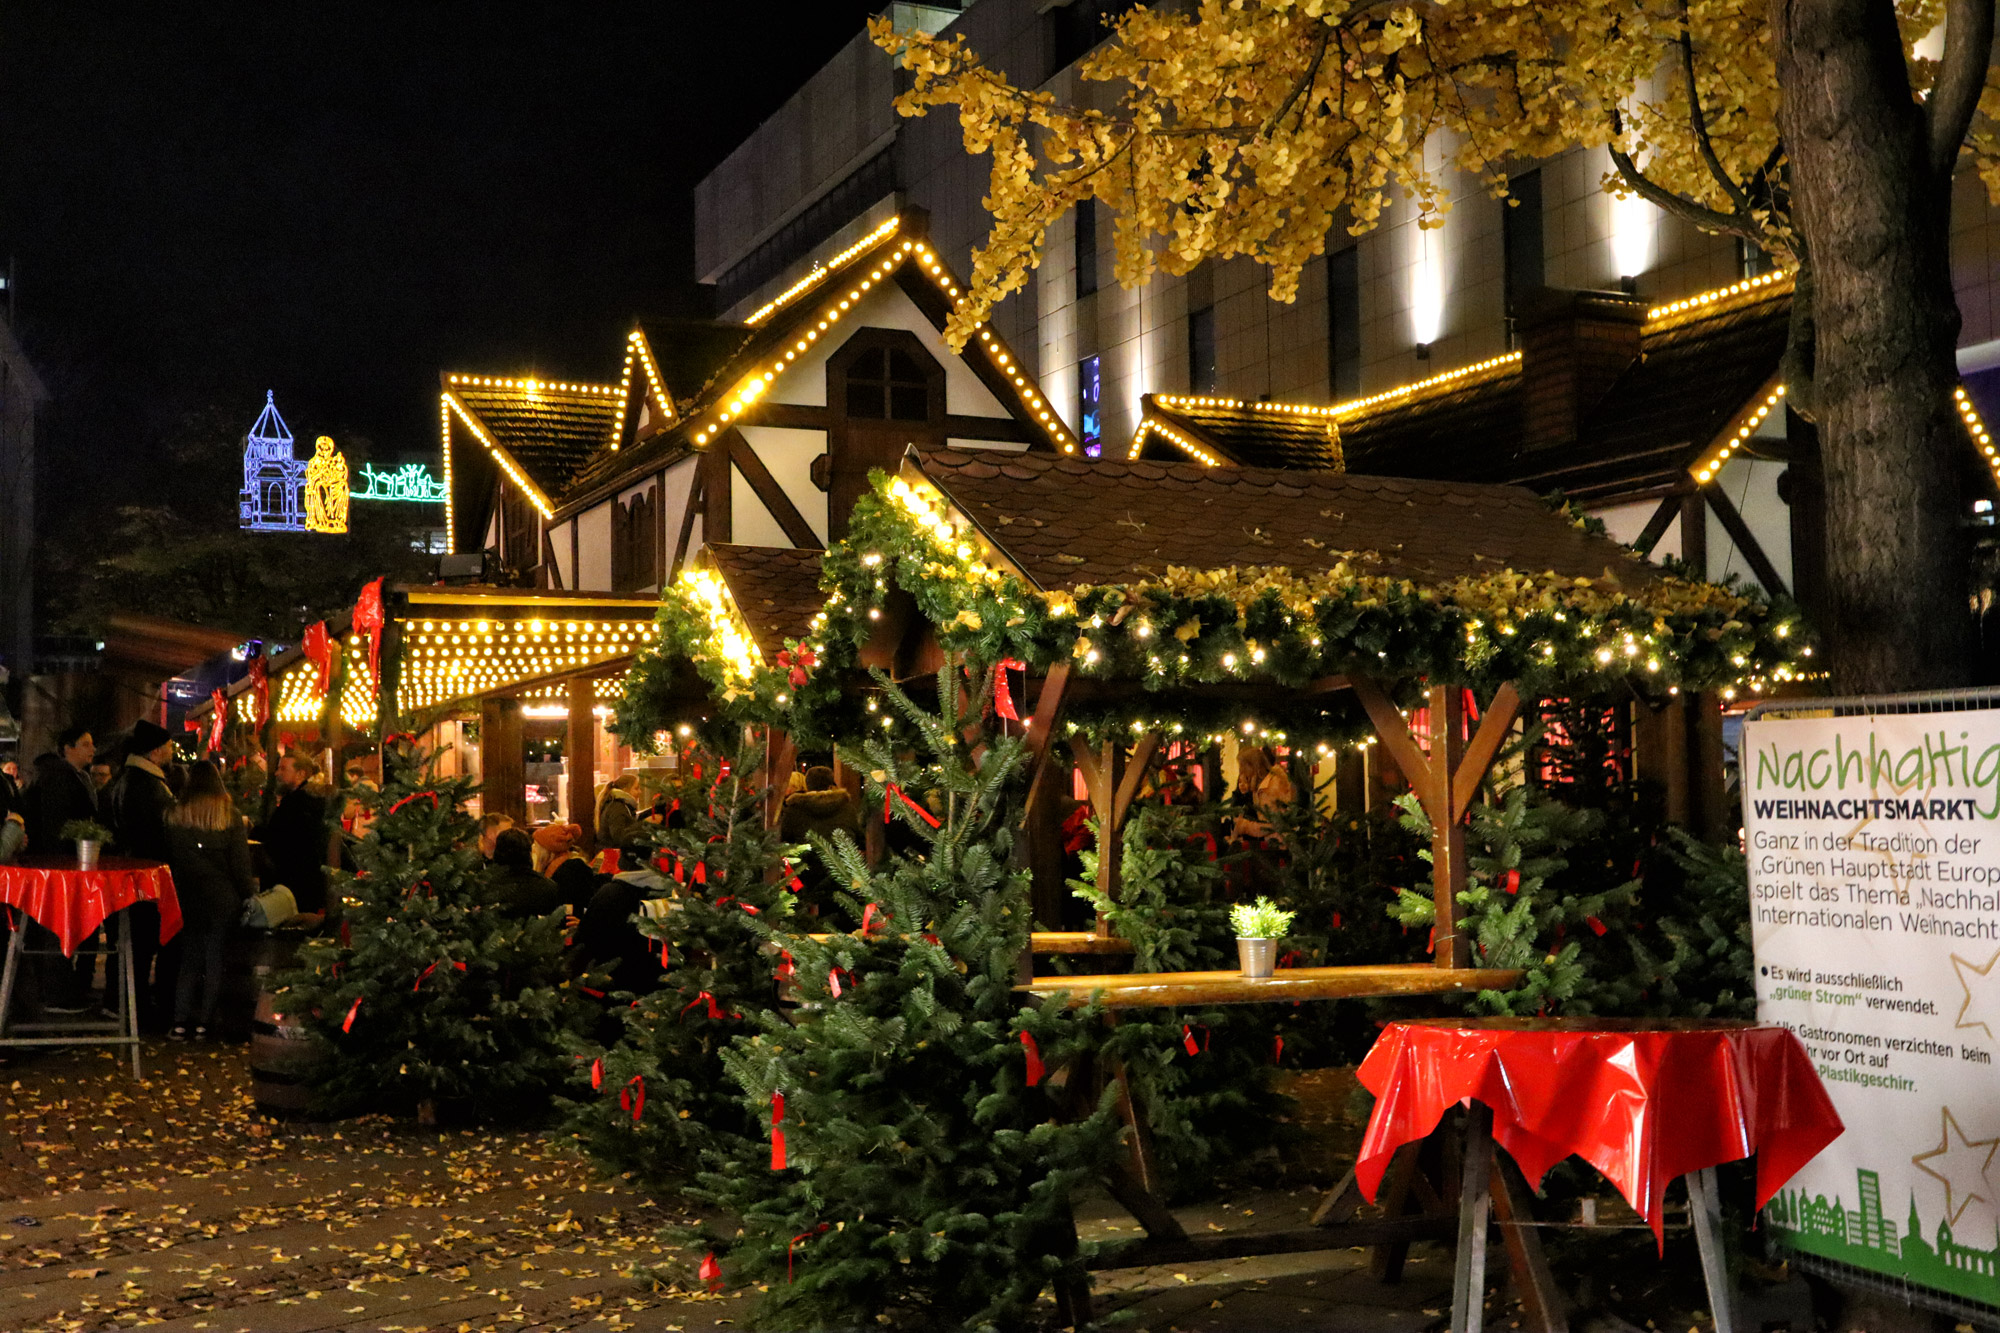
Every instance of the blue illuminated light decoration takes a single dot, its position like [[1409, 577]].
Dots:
[[1090, 420], [411, 483], [272, 477]]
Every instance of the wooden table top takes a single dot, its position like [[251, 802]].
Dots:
[[1157, 990], [1060, 941]]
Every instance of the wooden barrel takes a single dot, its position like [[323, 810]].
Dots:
[[279, 1047]]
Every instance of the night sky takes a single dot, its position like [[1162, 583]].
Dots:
[[335, 201]]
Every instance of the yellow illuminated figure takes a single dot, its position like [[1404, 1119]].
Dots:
[[326, 488]]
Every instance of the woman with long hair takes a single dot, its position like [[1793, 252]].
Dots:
[[209, 854]]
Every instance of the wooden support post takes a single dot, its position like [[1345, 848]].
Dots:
[[503, 763], [1710, 815], [1048, 894], [580, 758], [781, 758]]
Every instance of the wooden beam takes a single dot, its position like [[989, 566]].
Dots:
[[1135, 774], [1746, 540], [580, 757], [1486, 743], [1656, 526], [1042, 724], [695, 504], [1394, 730], [797, 530], [1452, 946]]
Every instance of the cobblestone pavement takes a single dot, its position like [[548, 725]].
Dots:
[[173, 1203]]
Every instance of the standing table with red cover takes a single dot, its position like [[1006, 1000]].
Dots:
[[1643, 1102], [72, 903]]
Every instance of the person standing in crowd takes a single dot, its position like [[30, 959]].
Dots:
[[555, 850], [136, 805], [101, 773], [824, 808], [61, 792], [618, 811], [13, 825], [210, 857], [296, 834], [512, 886], [10, 783], [490, 828]]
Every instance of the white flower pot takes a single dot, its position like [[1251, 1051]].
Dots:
[[86, 854], [1257, 957]]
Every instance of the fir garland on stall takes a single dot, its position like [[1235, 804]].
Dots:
[[424, 994]]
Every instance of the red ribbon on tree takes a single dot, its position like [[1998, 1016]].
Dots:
[[892, 790], [633, 1097], [414, 796], [777, 1133], [346, 936], [597, 1074], [802, 1237], [368, 620], [714, 1011], [1003, 698], [1278, 1049], [833, 977], [432, 968], [1594, 924], [1336, 921], [796, 664], [786, 969], [218, 702], [260, 689], [710, 1272], [1034, 1059], [868, 918], [318, 650], [1512, 881], [1187, 1039], [792, 880], [347, 1024]]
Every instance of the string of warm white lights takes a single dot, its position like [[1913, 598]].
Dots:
[[1977, 429], [1744, 427], [1700, 301], [450, 509], [531, 386], [500, 456], [821, 272], [452, 659], [1200, 402], [636, 349], [753, 385], [1154, 426]]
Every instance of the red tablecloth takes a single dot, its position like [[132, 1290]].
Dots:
[[1641, 1102], [73, 902]]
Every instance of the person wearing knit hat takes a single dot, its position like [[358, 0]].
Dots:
[[557, 856]]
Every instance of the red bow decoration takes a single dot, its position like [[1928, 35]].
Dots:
[[413, 796], [633, 1098], [1278, 1050], [792, 880], [663, 954], [368, 620], [318, 650], [892, 790], [347, 1025], [710, 1272], [786, 968], [1594, 924], [218, 702], [833, 977], [1187, 1039], [801, 1237], [868, 918], [1512, 881], [1003, 698], [597, 1074], [777, 1134], [796, 664], [714, 1010], [1034, 1059], [260, 689]]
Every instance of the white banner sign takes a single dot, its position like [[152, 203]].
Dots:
[[1874, 846]]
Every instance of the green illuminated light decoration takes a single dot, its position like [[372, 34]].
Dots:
[[411, 483]]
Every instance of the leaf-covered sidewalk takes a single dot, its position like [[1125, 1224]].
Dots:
[[173, 1203]]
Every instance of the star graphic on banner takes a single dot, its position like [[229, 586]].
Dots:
[[1982, 993], [1961, 1164]]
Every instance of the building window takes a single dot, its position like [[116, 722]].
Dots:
[[1090, 416], [1521, 244], [1343, 314], [1201, 350], [888, 384], [1752, 260], [1085, 214], [1079, 25]]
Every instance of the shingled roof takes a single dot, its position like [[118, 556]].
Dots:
[[1064, 522], [1695, 371], [776, 590], [550, 430]]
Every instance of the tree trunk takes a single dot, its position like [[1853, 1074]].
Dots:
[[1875, 222]]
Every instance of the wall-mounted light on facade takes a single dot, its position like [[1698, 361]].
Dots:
[[1426, 291]]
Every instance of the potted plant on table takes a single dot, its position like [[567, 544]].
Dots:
[[1259, 927], [89, 837]]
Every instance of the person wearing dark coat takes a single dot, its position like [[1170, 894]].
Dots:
[[295, 837], [824, 808], [210, 857], [61, 792], [136, 806], [618, 813], [608, 939], [555, 848], [512, 886]]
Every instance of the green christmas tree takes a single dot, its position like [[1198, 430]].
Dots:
[[1206, 1077], [661, 1104], [916, 1168], [423, 994]]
